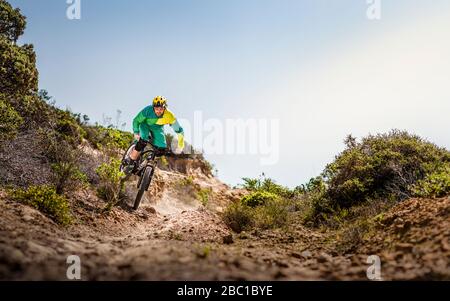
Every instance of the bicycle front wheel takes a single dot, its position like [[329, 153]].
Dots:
[[144, 184]]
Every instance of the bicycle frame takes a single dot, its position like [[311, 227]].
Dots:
[[147, 158]]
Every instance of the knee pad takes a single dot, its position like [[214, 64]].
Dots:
[[140, 145]]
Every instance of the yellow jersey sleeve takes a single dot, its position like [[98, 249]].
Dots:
[[168, 118]]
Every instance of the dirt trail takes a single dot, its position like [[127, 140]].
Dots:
[[170, 229], [174, 237]]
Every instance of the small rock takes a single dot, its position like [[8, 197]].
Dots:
[[184, 260], [405, 247], [228, 239], [15, 256], [150, 210], [296, 255], [281, 264], [236, 262], [306, 254], [27, 218], [246, 265], [399, 221], [243, 235], [323, 257], [279, 274], [123, 266], [398, 255], [290, 239], [356, 271], [143, 216]]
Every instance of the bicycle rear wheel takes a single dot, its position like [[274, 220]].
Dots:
[[144, 184]]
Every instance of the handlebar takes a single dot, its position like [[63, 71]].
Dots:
[[159, 152], [181, 156]]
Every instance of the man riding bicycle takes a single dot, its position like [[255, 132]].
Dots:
[[150, 123]]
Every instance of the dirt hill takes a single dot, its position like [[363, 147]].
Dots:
[[173, 236]]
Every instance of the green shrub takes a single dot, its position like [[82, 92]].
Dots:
[[203, 252], [271, 186], [65, 156], [267, 185], [164, 162], [259, 198], [238, 217], [315, 185], [101, 137], [386, 167], [260, 209], [204, 195], [35, 112], [434, 185], [111, 184], [274, 214], [18, 72], [382, 166], [68, 127], [60, 135], [46, 200], [251, 184], [351, 236], [267, 206], [17, 69], [119, 139], [186, 181], [10, 121], [68, 175]]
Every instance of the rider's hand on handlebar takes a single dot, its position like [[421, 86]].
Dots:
[[181, 142], [178, 151]]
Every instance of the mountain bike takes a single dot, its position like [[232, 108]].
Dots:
[[145, 167]]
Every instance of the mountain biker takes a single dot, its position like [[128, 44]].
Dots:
[[150, 123]]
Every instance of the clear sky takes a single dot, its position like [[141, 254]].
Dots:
[[320, 66]]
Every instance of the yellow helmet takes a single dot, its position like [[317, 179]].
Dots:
[[160, 101]]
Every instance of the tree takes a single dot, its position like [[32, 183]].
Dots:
[[17, 69], [17, 63], [12, 22]]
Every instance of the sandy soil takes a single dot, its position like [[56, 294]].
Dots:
[[174, 237]]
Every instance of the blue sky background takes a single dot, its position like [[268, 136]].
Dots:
[[320, 66]]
